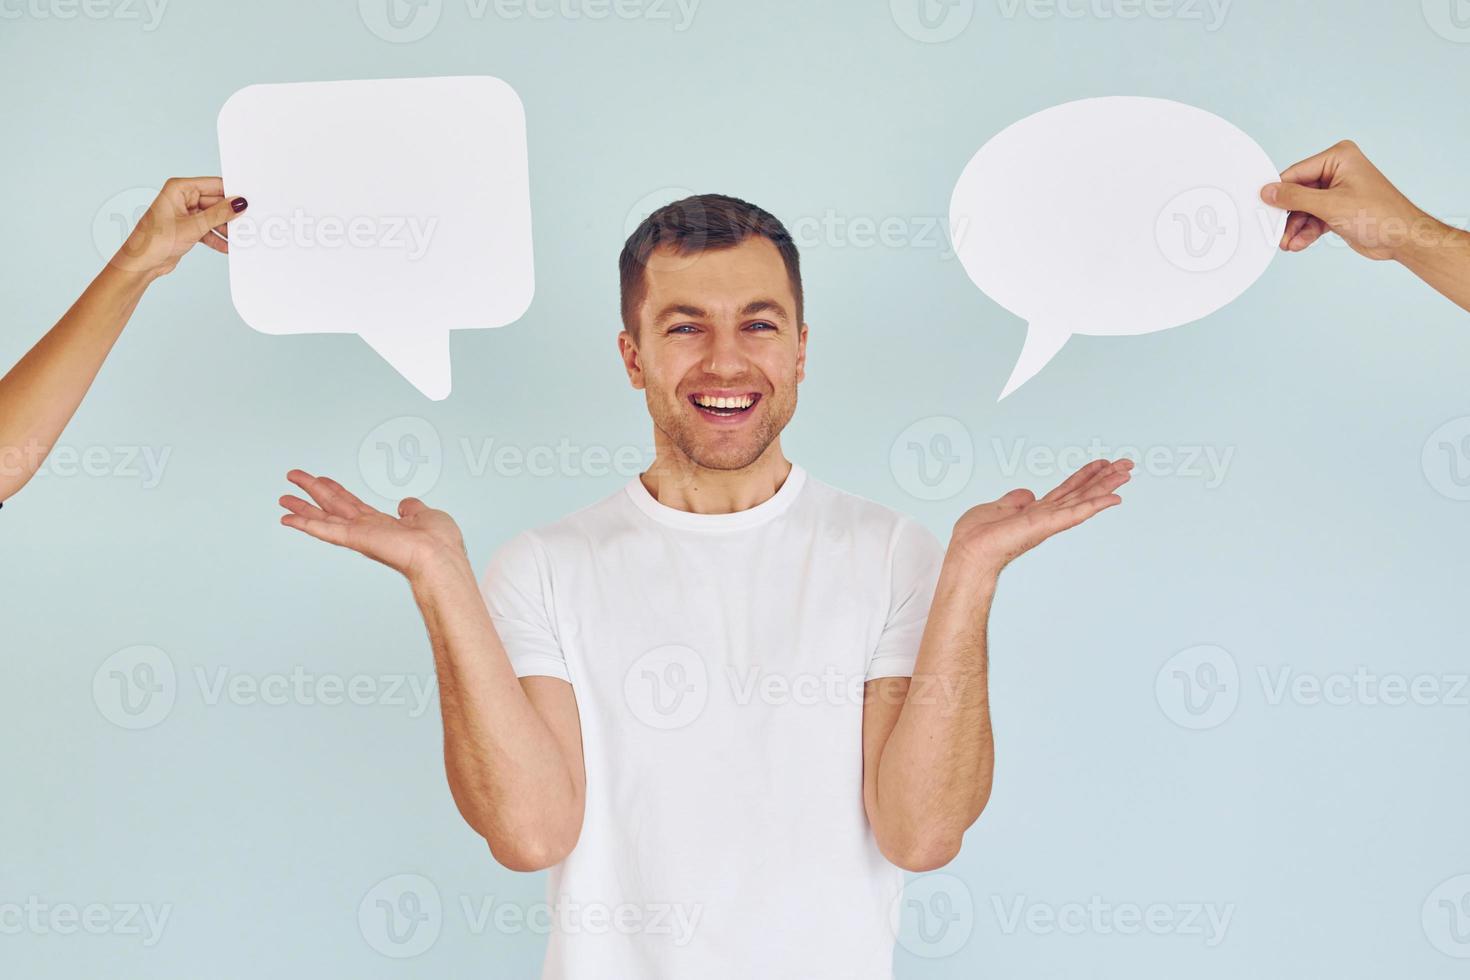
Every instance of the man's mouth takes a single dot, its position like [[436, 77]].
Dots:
[[724, 406]]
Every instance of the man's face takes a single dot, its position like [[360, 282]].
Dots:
[[719, 352]]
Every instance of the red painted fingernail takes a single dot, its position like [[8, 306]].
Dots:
[[238, 204]]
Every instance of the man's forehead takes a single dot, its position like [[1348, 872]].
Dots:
[[717, 279]]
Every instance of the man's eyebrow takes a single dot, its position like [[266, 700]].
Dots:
[[751, 309], [764, 306], [680, 309]]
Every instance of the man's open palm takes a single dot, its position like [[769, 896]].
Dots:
[[996, 533], [407, 543]]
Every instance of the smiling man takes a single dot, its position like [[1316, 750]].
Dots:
[[726, 704]]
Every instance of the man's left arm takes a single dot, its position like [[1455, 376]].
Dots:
[[928, 754]]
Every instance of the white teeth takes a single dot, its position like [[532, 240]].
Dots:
[[741, 401]]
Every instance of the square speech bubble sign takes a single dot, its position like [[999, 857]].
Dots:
[[396, 209]]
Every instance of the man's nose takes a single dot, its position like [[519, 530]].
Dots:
[[724, 356]]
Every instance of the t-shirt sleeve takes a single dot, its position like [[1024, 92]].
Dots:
[[517, 591], [914, 563]]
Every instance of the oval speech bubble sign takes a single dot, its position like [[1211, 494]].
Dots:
[[1112, 217]]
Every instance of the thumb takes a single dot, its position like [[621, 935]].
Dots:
[[1295, 197], [222, 213], [409, 506], [1017, 498]]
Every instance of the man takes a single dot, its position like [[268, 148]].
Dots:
[[692, 700]]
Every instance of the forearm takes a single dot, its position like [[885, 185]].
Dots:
[[41, 393], [508, 776], [935, 772], [1440, 255]]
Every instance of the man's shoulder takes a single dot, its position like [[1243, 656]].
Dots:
[[859, 513], [584, 527]]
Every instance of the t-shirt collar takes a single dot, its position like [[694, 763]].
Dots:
[[762, 512]]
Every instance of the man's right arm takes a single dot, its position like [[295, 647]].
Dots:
[[512, 748]]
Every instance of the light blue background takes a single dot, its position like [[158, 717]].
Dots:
[[1325, 548]]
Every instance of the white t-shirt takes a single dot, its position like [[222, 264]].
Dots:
[[718, 664]]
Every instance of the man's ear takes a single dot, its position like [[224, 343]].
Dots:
[[632, 359], [801, 354]]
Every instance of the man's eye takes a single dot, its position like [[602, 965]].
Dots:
[[762, 325], [682, 328]]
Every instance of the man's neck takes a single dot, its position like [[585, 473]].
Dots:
[[676, 481]]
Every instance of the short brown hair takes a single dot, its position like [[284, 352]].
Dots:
[[697, 224]]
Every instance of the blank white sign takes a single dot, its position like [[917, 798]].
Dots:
[[396, 209]]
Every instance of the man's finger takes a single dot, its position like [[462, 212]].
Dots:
[[1105, 485], [327, 531], [1074, 514], [320, 489], [348, 497], [409, 506], [1099, 478], [301, 508], [1075, 480]]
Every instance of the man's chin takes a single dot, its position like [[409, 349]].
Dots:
[[723, 458], [722, 454]]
